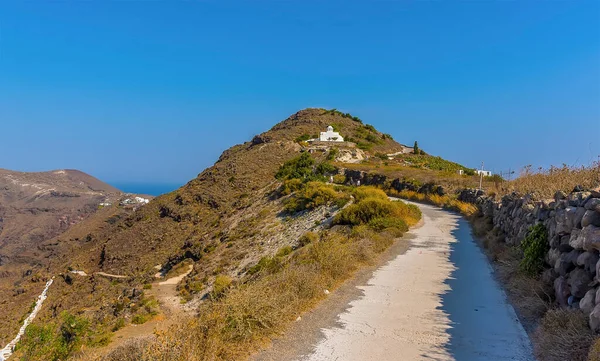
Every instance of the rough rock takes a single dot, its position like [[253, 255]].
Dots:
[[590, 217], [590, 238], [588, 261], [588, 301], [574, 240], [563, 264], [595, 318], [577, 199], [562, 291], [560, 195], [593, 204], [579, 282], [597, 296]]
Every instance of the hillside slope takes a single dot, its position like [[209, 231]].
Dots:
[[35, 208], [225, 221]]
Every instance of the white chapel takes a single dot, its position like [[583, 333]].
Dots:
[[330, 136]]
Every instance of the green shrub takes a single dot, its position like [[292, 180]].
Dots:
[[332, 154], [326, 168], [339, 179], [361, 193], [308, 238], [290, 186], [222, 284], [380, 224], [283, 251], [266, 264], [300, 167], [303, 138], [313, 195], [372, 138], [534, 247], [119, 324], [139, 318], [49, 342]]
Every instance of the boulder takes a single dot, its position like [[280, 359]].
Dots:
[[590, 217], [574, 240], [590, 238], [593, 204], [560, 195], [577, 199], [579, 282], [588, 301], [548, 276], [595, 318], [563, 225], [561, 291], [588, 261], [553, 255], [564, 264]]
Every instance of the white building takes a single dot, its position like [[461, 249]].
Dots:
[[486, 173], [330, 136]]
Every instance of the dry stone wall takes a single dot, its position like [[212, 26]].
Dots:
[[573, 224]]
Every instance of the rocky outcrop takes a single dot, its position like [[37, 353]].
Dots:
[[573, 224]]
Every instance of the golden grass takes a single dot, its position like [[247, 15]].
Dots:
[[546, 182], [441, 201]]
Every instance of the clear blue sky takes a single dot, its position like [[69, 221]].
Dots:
[[154, 91]]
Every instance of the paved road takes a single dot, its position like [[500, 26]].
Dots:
[[438, 301]]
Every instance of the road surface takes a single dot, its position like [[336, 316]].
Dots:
[[437, 301]]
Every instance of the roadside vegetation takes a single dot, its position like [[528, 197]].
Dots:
[[545, 182], [445, 201]]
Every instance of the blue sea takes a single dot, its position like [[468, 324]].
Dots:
[[152, 189]]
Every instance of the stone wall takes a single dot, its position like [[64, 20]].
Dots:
[[573, 225]]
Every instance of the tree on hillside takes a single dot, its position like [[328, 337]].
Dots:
[[416, 148]]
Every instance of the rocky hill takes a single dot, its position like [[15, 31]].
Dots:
[[35, 208], [224, 221], [38, 206]]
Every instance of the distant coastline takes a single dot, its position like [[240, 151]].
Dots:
[[152, 189]]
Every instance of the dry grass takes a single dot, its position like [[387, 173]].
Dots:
[[441, 201], [563, 335], [594, 354], [546, 182]]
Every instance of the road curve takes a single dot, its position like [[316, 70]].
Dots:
[[438, 301]]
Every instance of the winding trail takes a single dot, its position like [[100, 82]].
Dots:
[[170, 303], [438, 301], [6, 352]]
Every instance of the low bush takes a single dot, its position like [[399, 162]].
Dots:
[[371, 204], [55, 342], [313, 195], [300, 167], [534, 247], [380, 224], [221, 284]]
